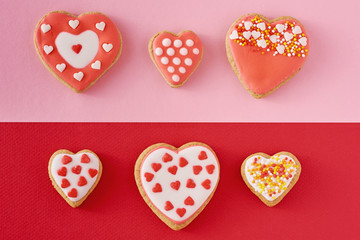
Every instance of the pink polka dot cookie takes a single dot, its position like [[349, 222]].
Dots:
[[74, 176], [177, 183], [271, 177], [176, 56], [266, 53], [77, 50]]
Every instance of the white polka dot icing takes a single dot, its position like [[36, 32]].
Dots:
[[176, 78], [164, 60], [189, 43], [158, 51], [170, 52], [182, 51], [188, 61], [176, 61], [166, 42], [178, 43]]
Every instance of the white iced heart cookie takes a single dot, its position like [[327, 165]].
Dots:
[[74, 176], [271, 177], [177, 183]]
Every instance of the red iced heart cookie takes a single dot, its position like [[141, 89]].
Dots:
[[74, 179], [271, 177], [177, 198], [266, 53], [78, 50], [176, 56]]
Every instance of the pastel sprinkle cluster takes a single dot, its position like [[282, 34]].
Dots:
[[271, 177], [285, 39]]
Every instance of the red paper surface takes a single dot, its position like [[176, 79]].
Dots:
[[324, 204]]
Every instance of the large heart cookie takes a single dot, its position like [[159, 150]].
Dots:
[[271, 177], [177, 183], [176, 56], [78, 50], [266, 53], [74, 176]]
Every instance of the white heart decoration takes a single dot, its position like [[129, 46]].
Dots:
[[280, 49], [74, 23], [89, 42], [74, 175], [96, 65], [78, 76], [234, 35], [100, 26], [297, 30], [303, 41], [247, 35], [48, 49], [179, 182], [45, 27], [262, 26], [248, 25], [255, 34], [280, 27], [261, 43], [107, 47], [288, 36], [61, 67], [274, 38]]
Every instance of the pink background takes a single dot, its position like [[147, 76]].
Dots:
[[326, 89]]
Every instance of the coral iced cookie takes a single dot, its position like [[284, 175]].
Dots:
[[78, 50], [74, 176], [271, 177], [176, 56], [266, 53], [177, 183]]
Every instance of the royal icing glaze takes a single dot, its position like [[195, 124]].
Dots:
[[77, 42], [176, 56], [266, 53], [271, 177], [178, 183], [75, 174]]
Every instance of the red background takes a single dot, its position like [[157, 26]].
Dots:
[[324, 204]]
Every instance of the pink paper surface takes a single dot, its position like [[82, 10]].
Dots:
[[326, 89]]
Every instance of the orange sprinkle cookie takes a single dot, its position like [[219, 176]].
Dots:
[[271, 177]]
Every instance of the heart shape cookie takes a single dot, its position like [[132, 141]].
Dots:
[[177, 183], [271, 177], [78, 50], [74, 176], [176, 56], [266, 53]]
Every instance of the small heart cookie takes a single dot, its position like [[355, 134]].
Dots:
[[176, 55], [266, 53], [271, 177], [177, 183], [74, 176], [78, 50]]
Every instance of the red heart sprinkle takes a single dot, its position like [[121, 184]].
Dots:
[[172, 170], [183, 162], [181, 211], [65, 183], [92, 172], [85, 158], [66, 159], [157, 188], [210, 168], [62, 171], [206, 184], [197, 169], [76, 170], [82, 181], [175, 185], [190, 183], [189, 201], [202, 155], [156, 166], [76, 48], [72, 193], [168, 206], [167, 158], [149, 176]]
